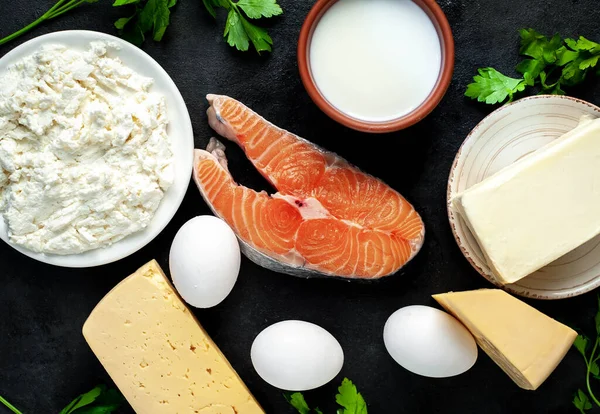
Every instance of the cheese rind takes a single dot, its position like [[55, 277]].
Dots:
[[539, 208], [157, 353], [524, 342]]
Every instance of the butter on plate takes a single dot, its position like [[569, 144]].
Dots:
[[539, 208]]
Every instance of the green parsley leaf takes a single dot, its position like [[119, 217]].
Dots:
[[538, 46], [255, 9], [589, 62], [565, 56], [572, 74], [111, 396], [259, 37], [120, 23], [582, 402], [83, 400], [118, 3], [531, 43], [584, 54], [349, 398], [594, 369], [585, 44], [210, 7], [572, 43], [155, 16], [145, 18], [99, 400], [581, 343], [162, 16], [550, 49], [235, 33], [150, 16], [491, 86], [297, 401], [530, 68], [134, 34], [108, 402], [239, 32]]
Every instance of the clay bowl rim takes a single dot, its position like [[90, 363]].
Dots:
[[437, 16]]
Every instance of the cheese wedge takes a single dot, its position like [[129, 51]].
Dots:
[[539, 208], [157, 353], [524, 342]]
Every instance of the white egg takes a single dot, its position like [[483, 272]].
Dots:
[[429, 342], [296, 355], [204, 261]]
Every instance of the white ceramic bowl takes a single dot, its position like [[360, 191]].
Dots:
[[503, 137], [179, 130]]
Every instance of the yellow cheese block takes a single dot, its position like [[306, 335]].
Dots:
[[158, 354], [524, 342]]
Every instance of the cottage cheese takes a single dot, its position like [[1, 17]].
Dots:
[[85, 159]]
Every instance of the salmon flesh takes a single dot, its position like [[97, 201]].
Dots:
[[327, 218]]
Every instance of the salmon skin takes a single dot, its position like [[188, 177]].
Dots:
[[327, 218]]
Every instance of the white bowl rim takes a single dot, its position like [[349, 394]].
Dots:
[[520, 291], [174, 195]]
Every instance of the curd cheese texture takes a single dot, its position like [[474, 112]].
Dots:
[[85, 158]]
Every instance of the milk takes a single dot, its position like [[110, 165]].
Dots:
[[375, 60]]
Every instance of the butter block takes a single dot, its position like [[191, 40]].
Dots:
[[539, 208], [524, 342], [157, 353]]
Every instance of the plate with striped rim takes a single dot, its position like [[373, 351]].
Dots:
[[503, 137]]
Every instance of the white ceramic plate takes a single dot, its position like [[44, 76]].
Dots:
[[179, 130], [503, 137]]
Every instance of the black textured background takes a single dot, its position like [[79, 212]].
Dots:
[[44, 360]]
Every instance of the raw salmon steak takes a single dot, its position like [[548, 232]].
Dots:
[[327, 217]]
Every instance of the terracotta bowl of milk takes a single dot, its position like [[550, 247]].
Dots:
[[376, 65]]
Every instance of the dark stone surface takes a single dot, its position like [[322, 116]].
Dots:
[[44, 360]]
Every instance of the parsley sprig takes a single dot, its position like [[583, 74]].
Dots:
[[549, 65], [99, 400], [239, 31], [149, 17], [582, 344], [491, 86], [59, 8], [348, 397]]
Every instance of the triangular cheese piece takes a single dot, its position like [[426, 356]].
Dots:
[[524, 342]]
